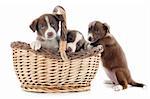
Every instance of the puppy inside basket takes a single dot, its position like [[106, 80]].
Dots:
[[48, 26]]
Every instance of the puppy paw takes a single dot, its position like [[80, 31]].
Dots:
[[100, 47], [145, 87], [117, 88], [35, 45], [89, 47]]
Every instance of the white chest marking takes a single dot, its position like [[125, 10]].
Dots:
[[50, 44], [50, 29]]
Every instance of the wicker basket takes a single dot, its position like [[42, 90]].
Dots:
[[44, 71]]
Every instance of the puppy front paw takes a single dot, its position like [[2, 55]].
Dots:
[[118, 88], [100, 47], [35, 45], [89, 47]]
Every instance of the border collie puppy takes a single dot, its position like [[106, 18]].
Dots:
[[46, 27], [75, 41]]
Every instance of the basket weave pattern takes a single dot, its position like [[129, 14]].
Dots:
[[44, 73]]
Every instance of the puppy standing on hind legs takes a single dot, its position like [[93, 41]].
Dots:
[[113, 57]]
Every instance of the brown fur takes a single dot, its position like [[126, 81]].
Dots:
[[113, 57], [38, 23]]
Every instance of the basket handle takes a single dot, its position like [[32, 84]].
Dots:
[[63, 36], [63, 41]]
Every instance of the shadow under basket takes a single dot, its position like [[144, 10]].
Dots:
[[44, 71]]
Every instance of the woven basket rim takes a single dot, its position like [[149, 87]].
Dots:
[[48, 53]]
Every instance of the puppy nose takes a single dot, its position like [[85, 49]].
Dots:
[[90, 38], [50, 33], [69, 49]]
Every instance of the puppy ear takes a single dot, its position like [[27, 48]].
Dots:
[[59, 17], [106, 27], [80, 45], [33, 25]]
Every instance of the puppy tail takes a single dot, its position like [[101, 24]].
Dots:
[[136, 84]]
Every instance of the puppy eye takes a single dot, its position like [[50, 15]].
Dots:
[[42, 27], [52, 24], [96, 30], [70, 39]]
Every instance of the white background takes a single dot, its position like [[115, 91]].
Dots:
[[129, 22]]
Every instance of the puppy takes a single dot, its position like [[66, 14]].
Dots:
[[75, 41], [113, 57], [46, 27]]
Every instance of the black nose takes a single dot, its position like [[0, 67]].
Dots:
[[90, 38]]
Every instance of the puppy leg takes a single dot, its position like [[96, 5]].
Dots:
[[121, 79]]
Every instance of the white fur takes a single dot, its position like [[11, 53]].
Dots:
[[36, 45], [50, 29], [50, 44], [59, 31], [117, 88], [72, 45], [100, 47]]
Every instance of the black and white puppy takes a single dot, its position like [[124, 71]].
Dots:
[[75, 41], [46, 27]]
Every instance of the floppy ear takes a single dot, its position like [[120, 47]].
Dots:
[[33, 25], [80, 45], [106, 27]]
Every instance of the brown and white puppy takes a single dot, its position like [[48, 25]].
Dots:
[[46, 27], [75, 41], [113, 57]]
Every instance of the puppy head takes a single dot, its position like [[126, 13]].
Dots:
[[97, 30], [75, 41], [46, 26]]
